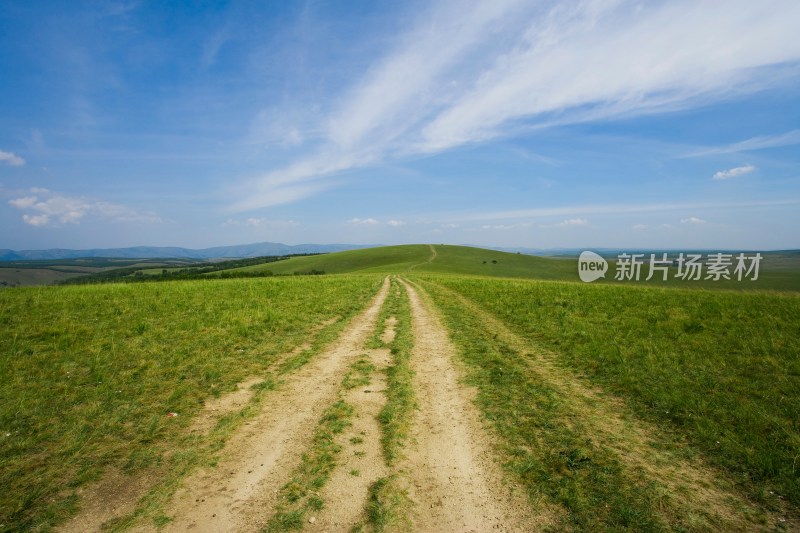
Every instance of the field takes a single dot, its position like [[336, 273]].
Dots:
[[48, 272], [417, 388]]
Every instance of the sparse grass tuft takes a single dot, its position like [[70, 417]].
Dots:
[[359, 373], [395, 417], [388, 506], [299, 495]]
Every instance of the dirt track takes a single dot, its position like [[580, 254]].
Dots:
[[454, 479], [240, 493], [448, 466]]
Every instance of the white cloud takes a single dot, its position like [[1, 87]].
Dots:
[[468, 72], [761, 142], [640, 227], [396, 223], [363, 221], [36, 220], [12, 159], [570, 222], [47, 208], [24, 202], [692, 220], [733, 172]]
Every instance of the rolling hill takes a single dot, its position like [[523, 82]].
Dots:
[[425, 258]]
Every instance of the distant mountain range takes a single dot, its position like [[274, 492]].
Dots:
[[149, 252]]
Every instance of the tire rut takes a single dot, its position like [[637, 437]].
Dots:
[[240, 493], [362, 462], [699, 490], [451, 469]]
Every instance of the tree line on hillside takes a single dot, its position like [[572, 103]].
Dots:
[[225, 270]]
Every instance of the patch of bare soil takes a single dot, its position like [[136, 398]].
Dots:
[[239, 494], [700, 494], [224, 404], [453, 474], [116, 494], [361, 462]]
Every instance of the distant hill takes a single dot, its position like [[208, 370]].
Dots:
[[780, 270], [426, 258], [149, 252]]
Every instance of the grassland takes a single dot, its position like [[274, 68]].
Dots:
[[90, 372], [717, 372], [622, 406]]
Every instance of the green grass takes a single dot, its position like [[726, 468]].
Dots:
[[90, 372], [388, 506], [395, 416], [299, 495], [720, 369]]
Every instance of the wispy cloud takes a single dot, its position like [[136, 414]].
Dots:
[[567, 223], [470, 72], [581, 211], [11, 159], [47, 208], [761, 142], [733, 172], [396, 223]]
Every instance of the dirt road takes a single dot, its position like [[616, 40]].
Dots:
[[448, 465], [455, 480]]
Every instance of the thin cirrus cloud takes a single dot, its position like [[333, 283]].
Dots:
[[470, 73], [733, 172], [578, 212], [11, 159], [45, 208], [761, 142]]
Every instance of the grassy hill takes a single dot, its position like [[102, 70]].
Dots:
[[780, 270], [426, 258]]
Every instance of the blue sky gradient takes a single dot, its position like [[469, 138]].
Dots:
[[595, 123]]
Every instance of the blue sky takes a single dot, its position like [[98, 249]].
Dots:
[[508, 123]]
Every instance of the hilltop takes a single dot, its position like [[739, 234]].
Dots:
[[439, 258]]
